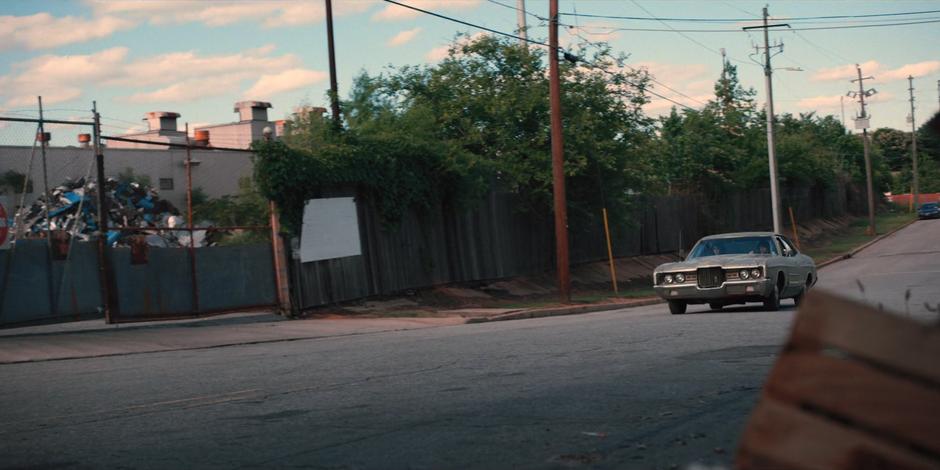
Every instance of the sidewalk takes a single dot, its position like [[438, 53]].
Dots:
[[94, 338]]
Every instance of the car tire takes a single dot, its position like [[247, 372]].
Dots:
[[716, 305], [677, 307], [799, 298], [772, 303]]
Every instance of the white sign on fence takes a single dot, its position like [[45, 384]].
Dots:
[[330, 229], [6, 217]]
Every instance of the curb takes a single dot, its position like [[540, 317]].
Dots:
[[560, 311], [866, 245]]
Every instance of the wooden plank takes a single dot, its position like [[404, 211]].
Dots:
[[782, 437], [857, 329], [900, 408]]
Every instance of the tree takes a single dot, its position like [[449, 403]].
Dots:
[[479, 118]]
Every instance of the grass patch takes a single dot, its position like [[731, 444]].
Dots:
[[854, 235]]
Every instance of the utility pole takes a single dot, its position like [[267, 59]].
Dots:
[[520, 21], [103, 260], [43, 141], [862, 121], [334, 91], [771, 150], [558, 159], [916, 189]]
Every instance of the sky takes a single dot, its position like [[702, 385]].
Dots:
[[198, 58]]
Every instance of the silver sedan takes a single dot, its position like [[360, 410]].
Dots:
[[736, 268]]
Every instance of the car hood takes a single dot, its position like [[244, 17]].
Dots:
[[718, 260]]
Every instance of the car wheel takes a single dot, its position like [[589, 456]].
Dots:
[[799, 298], [716, 305], [772, 303], [677, 307]]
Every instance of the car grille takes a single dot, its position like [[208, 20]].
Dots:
[[710, 277]]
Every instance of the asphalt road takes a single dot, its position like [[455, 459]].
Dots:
[[635, 388]]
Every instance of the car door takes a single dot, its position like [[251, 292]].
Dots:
[[793, 271]]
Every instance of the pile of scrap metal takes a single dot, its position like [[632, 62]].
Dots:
[[73, 208]]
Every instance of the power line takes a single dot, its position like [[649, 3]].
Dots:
[[810, 28], [595, 66], [654, 80], [735, 20], [465, 23], [690, 38]]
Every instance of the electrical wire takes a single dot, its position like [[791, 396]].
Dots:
[[594, 66], [736, 20], [802, 28], [653, 79], [690, 38], [465, 23]]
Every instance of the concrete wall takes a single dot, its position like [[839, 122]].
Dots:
[[217, 173]]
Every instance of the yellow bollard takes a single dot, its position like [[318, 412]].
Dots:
[[610, 253]]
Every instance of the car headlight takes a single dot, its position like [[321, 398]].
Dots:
[[668, 279], [744, 274], [755, 273], [680, 278]]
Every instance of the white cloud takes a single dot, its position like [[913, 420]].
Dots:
[[44, 31], [288, 80], [437, 54], [270, 14], [695, 81], [177, 66], [441, 52], [403, 37], [57, 78], [163, 78], [393, 12], [919, 69], [821, 102], [830, 102], [189, 90], [845, 72]]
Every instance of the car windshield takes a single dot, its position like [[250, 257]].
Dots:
[[734, 246], [929, 206]]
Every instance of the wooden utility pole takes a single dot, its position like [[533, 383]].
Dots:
[[108, 299], [520, 22], [916, 186], [334, 90], [863, 121], [771, 148], [558, 159]]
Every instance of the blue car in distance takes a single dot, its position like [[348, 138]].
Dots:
[[930, 210]]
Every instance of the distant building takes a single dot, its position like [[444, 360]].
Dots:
[[251, 125], [162, 127], [215, 172]]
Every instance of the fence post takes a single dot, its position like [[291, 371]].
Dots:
[[281, 280], [108, 299]]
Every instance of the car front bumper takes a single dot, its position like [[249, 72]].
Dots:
[[730, 290]]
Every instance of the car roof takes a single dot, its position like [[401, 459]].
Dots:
[[738, 235]]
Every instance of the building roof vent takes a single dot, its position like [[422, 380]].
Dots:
[[161, 121], [252, 110]]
